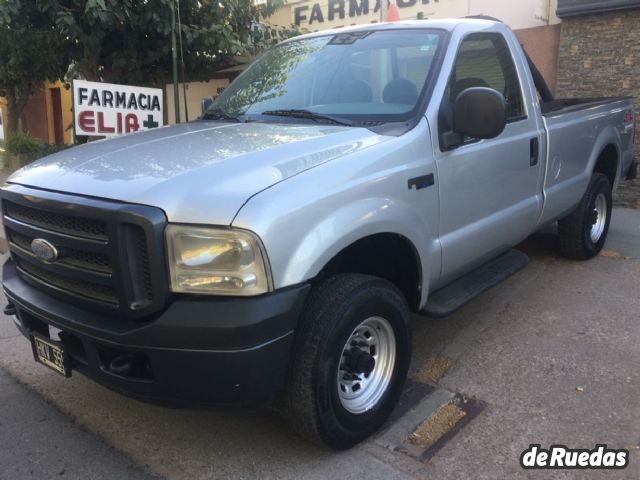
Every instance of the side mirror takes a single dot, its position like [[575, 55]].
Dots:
[[478, 112], [206, 103]]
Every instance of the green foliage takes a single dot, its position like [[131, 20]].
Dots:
[[31, 51], [23, 148], [23, 145], [128, 41], [123, 41], [265, 36]]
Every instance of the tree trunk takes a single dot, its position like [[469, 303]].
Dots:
[[13, 114], [17, 102]]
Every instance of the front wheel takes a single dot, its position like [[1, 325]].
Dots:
[[583, 233], [350, 360]]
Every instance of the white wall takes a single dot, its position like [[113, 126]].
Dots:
[[196, 91], [518, 14]]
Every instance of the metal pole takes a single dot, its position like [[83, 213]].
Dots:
[[174, 57], [184, 78]]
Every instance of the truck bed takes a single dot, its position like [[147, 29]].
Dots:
[[566, 105], [575, 130]]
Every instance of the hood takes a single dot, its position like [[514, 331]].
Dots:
[[201, 172]]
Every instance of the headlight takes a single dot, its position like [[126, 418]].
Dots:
[[216, 261]]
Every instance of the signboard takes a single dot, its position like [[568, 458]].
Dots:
[[323, 14], [107, 110], [316, 15]]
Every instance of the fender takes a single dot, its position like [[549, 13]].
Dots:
[[307, 220], [562, 196], [300, 245], [353, 222], [608, 136]]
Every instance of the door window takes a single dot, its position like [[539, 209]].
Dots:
[[484, 60]]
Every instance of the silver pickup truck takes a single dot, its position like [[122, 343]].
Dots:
[[272, 250]]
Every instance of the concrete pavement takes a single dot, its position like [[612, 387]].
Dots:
[[552, 353], [624, 236], [40, 442]]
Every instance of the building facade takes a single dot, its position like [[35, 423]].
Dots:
[[314, 15], [48, 115], [599, 52], [582, 47], [534, 21]]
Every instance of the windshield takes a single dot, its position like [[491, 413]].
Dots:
[[359, 76]]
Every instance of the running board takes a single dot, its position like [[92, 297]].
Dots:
[[450, 298]]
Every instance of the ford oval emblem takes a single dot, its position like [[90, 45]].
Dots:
[[44, 250]]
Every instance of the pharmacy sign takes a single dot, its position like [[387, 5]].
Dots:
[[107, 109]]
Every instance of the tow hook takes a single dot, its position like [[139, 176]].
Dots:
[[122, 365], [10, 309]]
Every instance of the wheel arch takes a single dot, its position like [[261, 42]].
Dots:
[[608, 163], [606, 156], [370, 256]]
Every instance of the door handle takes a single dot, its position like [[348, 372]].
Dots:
[[422, 182], [534, 151]]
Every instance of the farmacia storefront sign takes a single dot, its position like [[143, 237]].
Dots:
[[107, 109]]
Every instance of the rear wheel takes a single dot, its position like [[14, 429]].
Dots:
[[350, 360], [583, 233]]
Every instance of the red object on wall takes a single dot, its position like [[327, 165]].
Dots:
[[394, 14]]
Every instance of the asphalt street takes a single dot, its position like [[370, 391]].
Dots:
[[40, 442], [551, 353]]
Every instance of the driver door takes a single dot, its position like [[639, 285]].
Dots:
[[490, 190]]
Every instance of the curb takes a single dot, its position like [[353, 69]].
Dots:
[[419, 403]]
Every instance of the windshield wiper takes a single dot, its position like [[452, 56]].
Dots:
[[219, 114], [301, 113]]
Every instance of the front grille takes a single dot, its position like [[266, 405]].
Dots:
[[81, 227], [138, 261], [109, 255], [99, 293], [68, 256]]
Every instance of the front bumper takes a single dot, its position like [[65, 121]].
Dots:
[[200, 350]]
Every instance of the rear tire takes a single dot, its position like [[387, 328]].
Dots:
[[350, 360], [583, 233]]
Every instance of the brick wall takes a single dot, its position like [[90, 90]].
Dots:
[[600, 56]]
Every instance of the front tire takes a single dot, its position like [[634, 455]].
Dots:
[[350, 360], [583, 233]]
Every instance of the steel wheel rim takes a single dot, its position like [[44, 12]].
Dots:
[[600, 218], [359, 392]]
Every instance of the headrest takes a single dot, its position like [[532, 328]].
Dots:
[[401, 91]]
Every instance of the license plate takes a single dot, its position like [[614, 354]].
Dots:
[[51, 354]]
